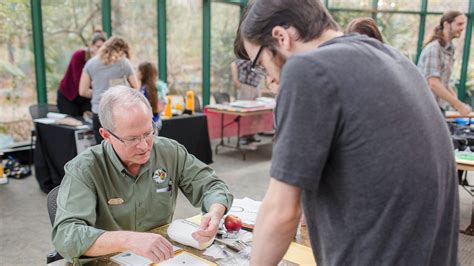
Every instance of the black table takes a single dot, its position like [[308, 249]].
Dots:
[[192, 132], [55, 145]]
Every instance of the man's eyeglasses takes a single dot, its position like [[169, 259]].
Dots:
[[134, 141], [256, 68]]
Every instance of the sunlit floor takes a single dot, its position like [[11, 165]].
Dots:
[[25, 228]]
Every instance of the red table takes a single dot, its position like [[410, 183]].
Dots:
[[226, 121]]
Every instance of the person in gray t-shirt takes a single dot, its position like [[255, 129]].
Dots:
[[361, 146], [109, 68]]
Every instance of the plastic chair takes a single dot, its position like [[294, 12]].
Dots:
[[197, 104], [52, 207], [52, 204], [221, 97], [38, 111]]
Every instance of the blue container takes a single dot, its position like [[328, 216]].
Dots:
[[462, 121]]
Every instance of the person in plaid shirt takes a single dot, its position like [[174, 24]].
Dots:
[[437, 60], [245, 80]]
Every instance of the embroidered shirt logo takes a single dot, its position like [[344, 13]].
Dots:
[[160, 176]]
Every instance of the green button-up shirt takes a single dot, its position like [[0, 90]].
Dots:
[[98, 194]]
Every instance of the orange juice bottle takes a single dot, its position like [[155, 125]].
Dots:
[[3, 177], [190, 101], [168, 106]]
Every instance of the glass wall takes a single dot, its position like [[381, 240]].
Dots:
[[351, 4], [470, 75], [224, 22], [399, 5], [17, 71], [344, 17], [399, 23], [184, 29], [136, 22], [67, 27], [443, 5], [400, 31]]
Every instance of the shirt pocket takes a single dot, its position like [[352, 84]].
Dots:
[[121, 214], [162, 198]]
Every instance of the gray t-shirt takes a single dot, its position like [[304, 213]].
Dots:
[[360, 133], [103, 76]]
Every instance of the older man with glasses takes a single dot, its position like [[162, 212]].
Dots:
[[114, 192]]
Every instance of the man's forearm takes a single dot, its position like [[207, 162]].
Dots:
[[444, 93], [107, 243], [218, 209], [272, 236], [276, 224]]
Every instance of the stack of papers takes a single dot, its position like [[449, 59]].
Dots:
[[246, 104]]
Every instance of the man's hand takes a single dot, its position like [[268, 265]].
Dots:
[[209, 223], [153, 246], [463, 109]]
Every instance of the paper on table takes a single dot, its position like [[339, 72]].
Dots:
[[45, 120], [185, 258], [130, 258], [246, 104], [216, 252], [54, 115], [246, 209]]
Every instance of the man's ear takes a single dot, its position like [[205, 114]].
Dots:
[[282, 36], [105, 134], [446, 24]]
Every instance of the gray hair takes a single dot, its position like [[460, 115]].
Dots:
[[122, 96]]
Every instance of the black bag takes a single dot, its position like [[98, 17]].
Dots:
[[13, 169]]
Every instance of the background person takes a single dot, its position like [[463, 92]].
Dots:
[[437, 60], [109, 68], [68, 100], [365, 26], [244, 79], [246, 83], [345, 145], [150, 87], [114, 192]]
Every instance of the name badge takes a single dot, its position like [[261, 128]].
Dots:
[[160, 190], [115, 201], [160, 176]]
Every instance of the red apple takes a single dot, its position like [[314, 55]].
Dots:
[[232, 223]]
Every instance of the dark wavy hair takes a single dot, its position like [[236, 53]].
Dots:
[[309, 17], [149, 76], [437, 34]]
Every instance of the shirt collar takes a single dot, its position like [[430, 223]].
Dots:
[[449, 48], [117, 163]]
